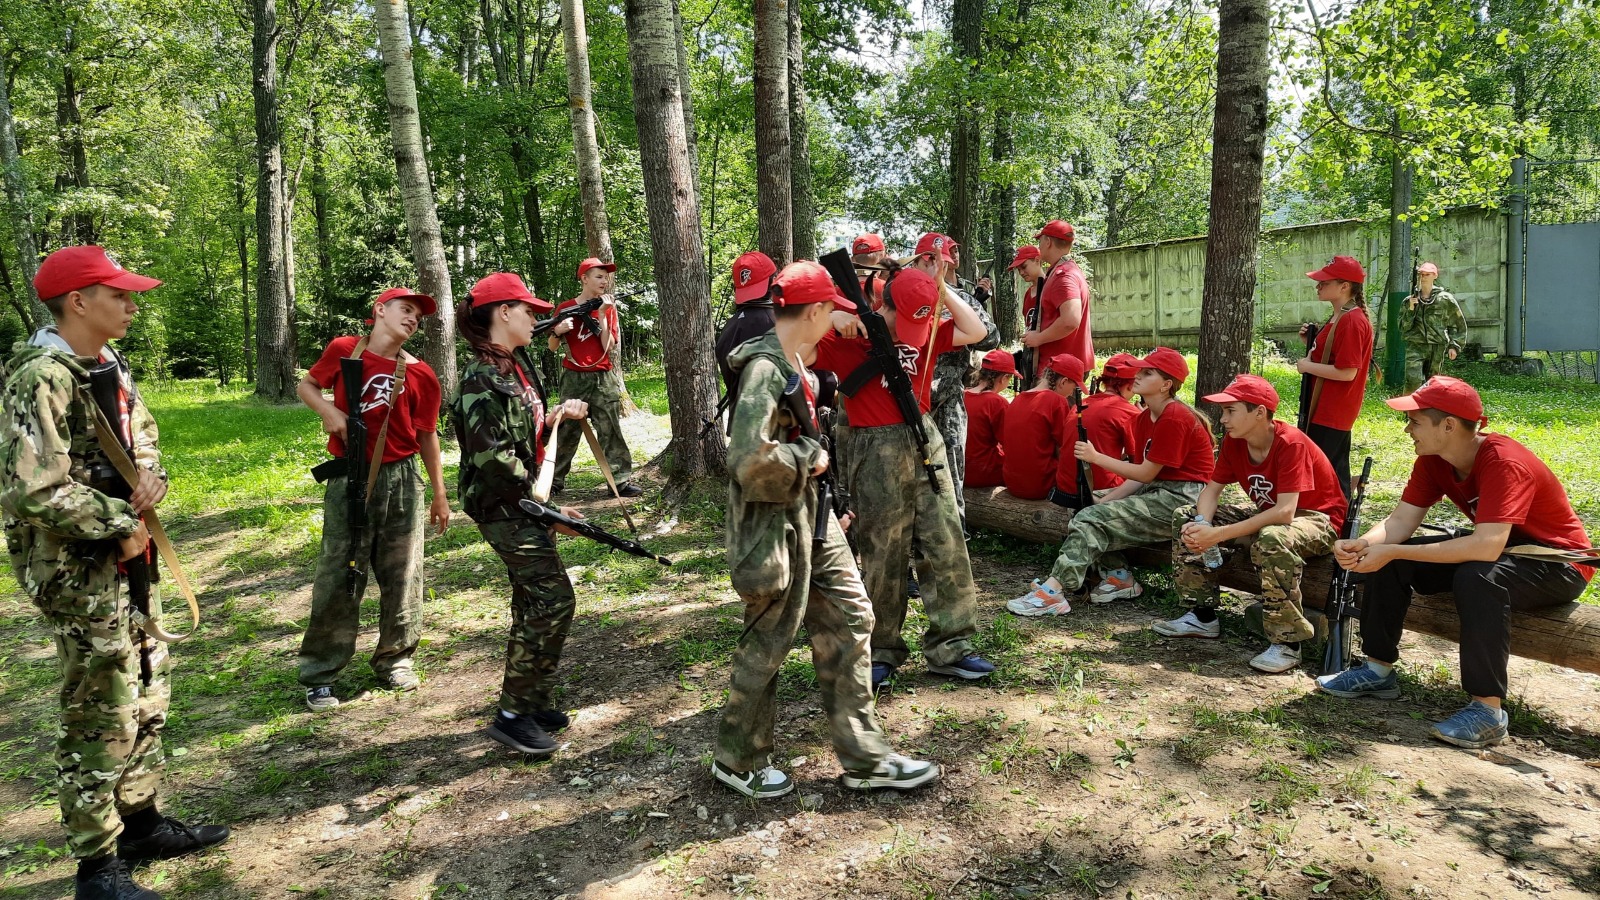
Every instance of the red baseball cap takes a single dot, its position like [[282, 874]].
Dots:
[[503, 286], [1121, 365], [1248, 389], [913, 293], [1068, 365], [1427, 268], [935, 243], [1342, 268], [1000, 361], [1057, 229], [752, 275], [427, 304], [866, 243], [75, 268], [594, 262], [1024, 253], [807, 282], [1447, 395], [1166, 361]]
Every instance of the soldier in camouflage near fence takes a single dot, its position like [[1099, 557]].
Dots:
[[502, 425], [785, 578], [1434, 328], [66, 537], [1296, 509]]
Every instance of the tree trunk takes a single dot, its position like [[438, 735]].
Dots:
[[966, 29], [774, 214], [1007, 312], [1227, 303], [691, 129], [580, 101], [78, 226], [1398, 284], [274, 347], [674, 215], [242, 245], [416, 190], [805, 205], [32, 311], [319, 211]]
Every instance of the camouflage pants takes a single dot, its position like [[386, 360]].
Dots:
[[893, 501], [541, 611], [833, 606], [1096, 533], [391, 548], [1423, 360], [108, 746], [950, 414], [1279, 551], [603, 392]]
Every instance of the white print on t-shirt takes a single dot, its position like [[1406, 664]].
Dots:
[[375, 393], [908, 362], [1260, 490]]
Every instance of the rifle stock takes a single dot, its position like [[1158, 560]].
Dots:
[[551, 517], [1341, 605], [356, 470], [105, 387]]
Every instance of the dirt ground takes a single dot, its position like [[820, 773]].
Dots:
[[1101, 761]]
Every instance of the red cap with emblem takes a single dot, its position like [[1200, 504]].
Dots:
[[503, 286], [1248, 389], [427, 305], [75, 268], [913, 293], [1448, 395], [866, 243], [752, 275], [935, 244]]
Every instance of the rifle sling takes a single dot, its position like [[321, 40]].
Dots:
[[1329, 331], [859, 378], [605, 469], [383, 430]]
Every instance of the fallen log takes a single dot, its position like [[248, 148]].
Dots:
[[1567, 635]]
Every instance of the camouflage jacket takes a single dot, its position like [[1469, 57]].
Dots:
[[499, 426], [60, 524], [772, 498], [951, 370], [1437, 320]]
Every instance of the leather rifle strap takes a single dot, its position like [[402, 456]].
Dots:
[[605, 469], [1327, 350], [395, 390]]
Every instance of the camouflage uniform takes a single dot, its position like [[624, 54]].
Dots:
[[1096, 533], [1279, 551], [785, 581], [61, 532], [1431, 328], [602, 390], [499, 425], [948, 409]]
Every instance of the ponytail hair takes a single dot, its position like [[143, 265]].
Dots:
[[472, 323]]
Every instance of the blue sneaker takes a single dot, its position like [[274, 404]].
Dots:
[[1360, 681], [881, 672], [1477, 725], [970, 667]]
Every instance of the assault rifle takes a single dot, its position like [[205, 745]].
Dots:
[[1028, 357], [1308, 382], [882, 360], [550, 517], [356, 465], [794, 398], [583, 311], [1342, 592], [105, 386], [1085, 484]]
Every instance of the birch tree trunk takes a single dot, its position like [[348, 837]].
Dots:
[[1227, 304], [674, 215], [416, 190], [16, 188], [585, 146], [774, 214], [966, 29], [275, 354], [805, 208]]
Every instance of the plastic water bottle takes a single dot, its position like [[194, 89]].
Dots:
[[1212, 557]]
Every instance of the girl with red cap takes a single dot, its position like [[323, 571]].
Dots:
[[1339, 358], [1108, 415], [1040, 427], [986, 416]]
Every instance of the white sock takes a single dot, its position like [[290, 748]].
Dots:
[[508, 715], [1380, 668]]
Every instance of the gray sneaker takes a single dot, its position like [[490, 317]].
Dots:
[[321, 699], [895, 771], [1477, 725], [762, 784], [1360, 681], [402, 680]]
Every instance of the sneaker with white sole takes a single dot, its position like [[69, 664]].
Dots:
[[1188, 625], [321, 699], [1276, 659], [1360, 680], [1476, 726], [895, 771], [1041, 601], [1114, 588], [762, 784], [971, 667]]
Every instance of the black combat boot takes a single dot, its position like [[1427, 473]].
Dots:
[[167, 839], [106, 878]]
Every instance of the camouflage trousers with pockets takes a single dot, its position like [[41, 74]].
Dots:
[[542, 603], [949, 412], [390, 547], [1424, 360], [893, 501], [833, 606], [1096, 533], [1278, 551], [602, 390]]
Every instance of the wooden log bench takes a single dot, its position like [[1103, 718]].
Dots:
[[1564, 635]]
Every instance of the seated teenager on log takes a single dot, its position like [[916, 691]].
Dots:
[[1295, 512], [1511, 560], [1172, 461], [1108, 415], [986, 416], [1040, 428]]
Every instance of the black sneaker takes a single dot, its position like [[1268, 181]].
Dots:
[[109, 880], [551, 719], [522, 734], [629, 489], [912, 588], [169, 839]]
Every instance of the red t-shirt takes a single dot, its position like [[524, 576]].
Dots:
[[1178, 440], [1108, 418], [1066, 282], [986, 416], [1340, 401], [584, 353], [418, 409], [1040, 429], [1294, 465], [1507, 484], [873, 405]]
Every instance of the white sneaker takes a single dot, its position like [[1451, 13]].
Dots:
[[762, 784], [1041, 601], [1188, 625], [1114, 588], [1276, 659], [895, 771]]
